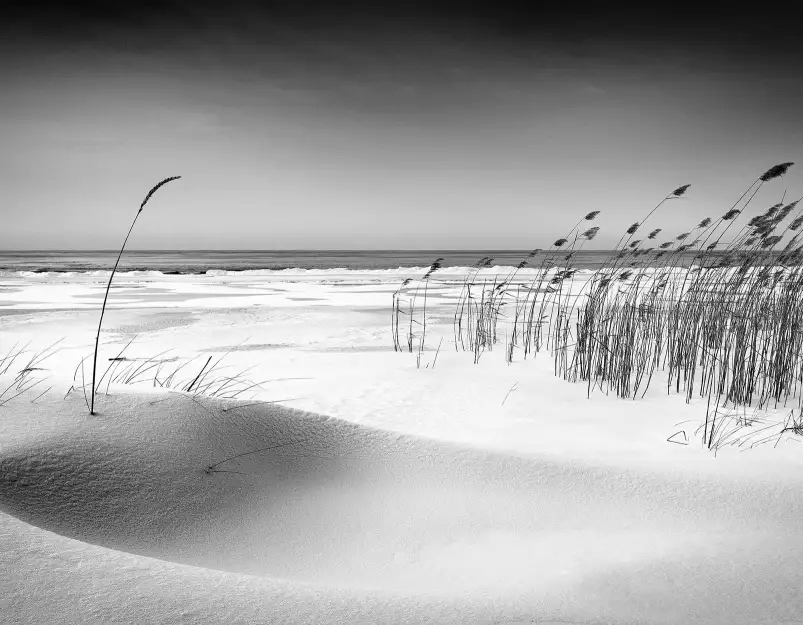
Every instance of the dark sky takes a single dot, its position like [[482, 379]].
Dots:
[[364, 125]]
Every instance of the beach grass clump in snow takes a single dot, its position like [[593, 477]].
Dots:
[[29, 374], [721, 315], [723, 326], [197, 376], [405, 300]]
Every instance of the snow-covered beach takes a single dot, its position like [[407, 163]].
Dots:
[[363, 486], [400, 313]]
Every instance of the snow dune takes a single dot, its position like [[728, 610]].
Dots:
[[337, 522]]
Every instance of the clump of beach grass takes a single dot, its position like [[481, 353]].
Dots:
[[196, 375], [28, 376], [409, 309], [722, 318]]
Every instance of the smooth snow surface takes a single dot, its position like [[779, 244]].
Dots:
[[427, 495]]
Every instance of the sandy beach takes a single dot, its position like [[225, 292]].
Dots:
[[355, 484]]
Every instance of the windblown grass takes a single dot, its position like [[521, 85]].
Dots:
[[109, 285], [404, 303], [28, 376], [723, 319], [200, 375]]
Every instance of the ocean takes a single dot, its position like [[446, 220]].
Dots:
[[203, 261]]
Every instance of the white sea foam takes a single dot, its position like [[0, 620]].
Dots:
[[297, 271]]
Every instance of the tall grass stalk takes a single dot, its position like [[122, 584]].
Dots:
[[109, 285]]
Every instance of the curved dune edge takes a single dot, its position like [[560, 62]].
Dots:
[[344, 523]]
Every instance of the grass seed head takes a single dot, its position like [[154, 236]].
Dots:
[[790, 243], [764, 230], [155, 189], [796, 223], [775, 172], [772, 210], [784, 212], [756, 221]]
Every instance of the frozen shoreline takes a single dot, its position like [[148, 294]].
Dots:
[[334, 334]]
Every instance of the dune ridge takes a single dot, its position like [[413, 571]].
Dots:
[[332, 516]]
